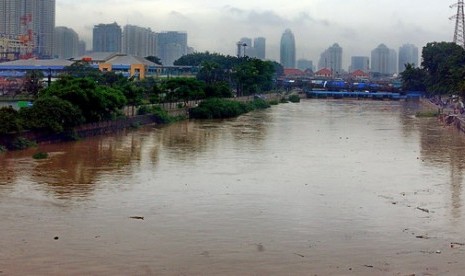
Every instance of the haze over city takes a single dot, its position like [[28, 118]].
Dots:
[[357, 25]]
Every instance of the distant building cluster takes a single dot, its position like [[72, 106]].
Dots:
[[257, 49], [27, 29], [383, 61]]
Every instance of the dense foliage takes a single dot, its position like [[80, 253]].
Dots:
[[215, 108], [83, 94], [96, 102], [9, 120], [245, 75], [442, 70], [52, 114]]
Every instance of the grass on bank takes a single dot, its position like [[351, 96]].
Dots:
[[427, 114]]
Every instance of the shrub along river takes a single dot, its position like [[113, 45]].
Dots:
[[321, 187]]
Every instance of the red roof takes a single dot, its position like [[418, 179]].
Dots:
[[325, 72], [293, 72], [359, 73]]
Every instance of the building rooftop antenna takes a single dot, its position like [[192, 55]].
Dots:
[[459, 34]]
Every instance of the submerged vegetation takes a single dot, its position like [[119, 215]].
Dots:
[[216, 108], [40, 155], [427, 114]]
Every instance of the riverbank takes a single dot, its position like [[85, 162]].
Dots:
[[446, 116], [15, 141], [10, 141]]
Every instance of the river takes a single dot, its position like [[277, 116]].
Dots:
[[321, 187]]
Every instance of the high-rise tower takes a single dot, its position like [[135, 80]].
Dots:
[[107, 38], [287, 51], [383, 60], [138, 41], [459, 34], [32, 22], [171, 46], [66, 43], [408, 54], [331, 59]]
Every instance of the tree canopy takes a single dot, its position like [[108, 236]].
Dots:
[[96, 102], [442, 70], [246, 75]]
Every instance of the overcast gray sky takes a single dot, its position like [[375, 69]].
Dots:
[[357, 25]]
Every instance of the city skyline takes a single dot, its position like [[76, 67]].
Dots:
[[358, 26]]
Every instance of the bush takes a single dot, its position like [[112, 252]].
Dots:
[[21, 143], [221, 108], [40, 155], [162, 115], [426, 114], [2, 149], [144, 110], [260, 104], [51, 114], [273, 102], [9, 120], [294, 98]]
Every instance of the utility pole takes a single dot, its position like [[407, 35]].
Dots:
[[459, 34]]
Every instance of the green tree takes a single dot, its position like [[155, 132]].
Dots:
[[33, 82], [444, 65], [218, 90], [253, 76], [96, 102], [82, 69], [184, 89], [413, 79], [209, 71], [9, 120], [134, 95], [51, 114]]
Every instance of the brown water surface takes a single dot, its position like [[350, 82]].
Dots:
[[315, 188]]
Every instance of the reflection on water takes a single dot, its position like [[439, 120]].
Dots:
[[331, 187]]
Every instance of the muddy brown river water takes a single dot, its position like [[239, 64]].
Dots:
[[315, 188]]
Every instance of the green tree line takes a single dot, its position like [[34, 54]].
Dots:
[[442, 70], [83, 94]]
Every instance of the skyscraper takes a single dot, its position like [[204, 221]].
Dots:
[[138, 41], [248, 48], [408, 54], [360, 63], [382, 60], [287, 50], [66, 43], [107, 38], [171, 46], [255, 50], [304, 64], [32, 22], [331, 59], [259, 45]]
